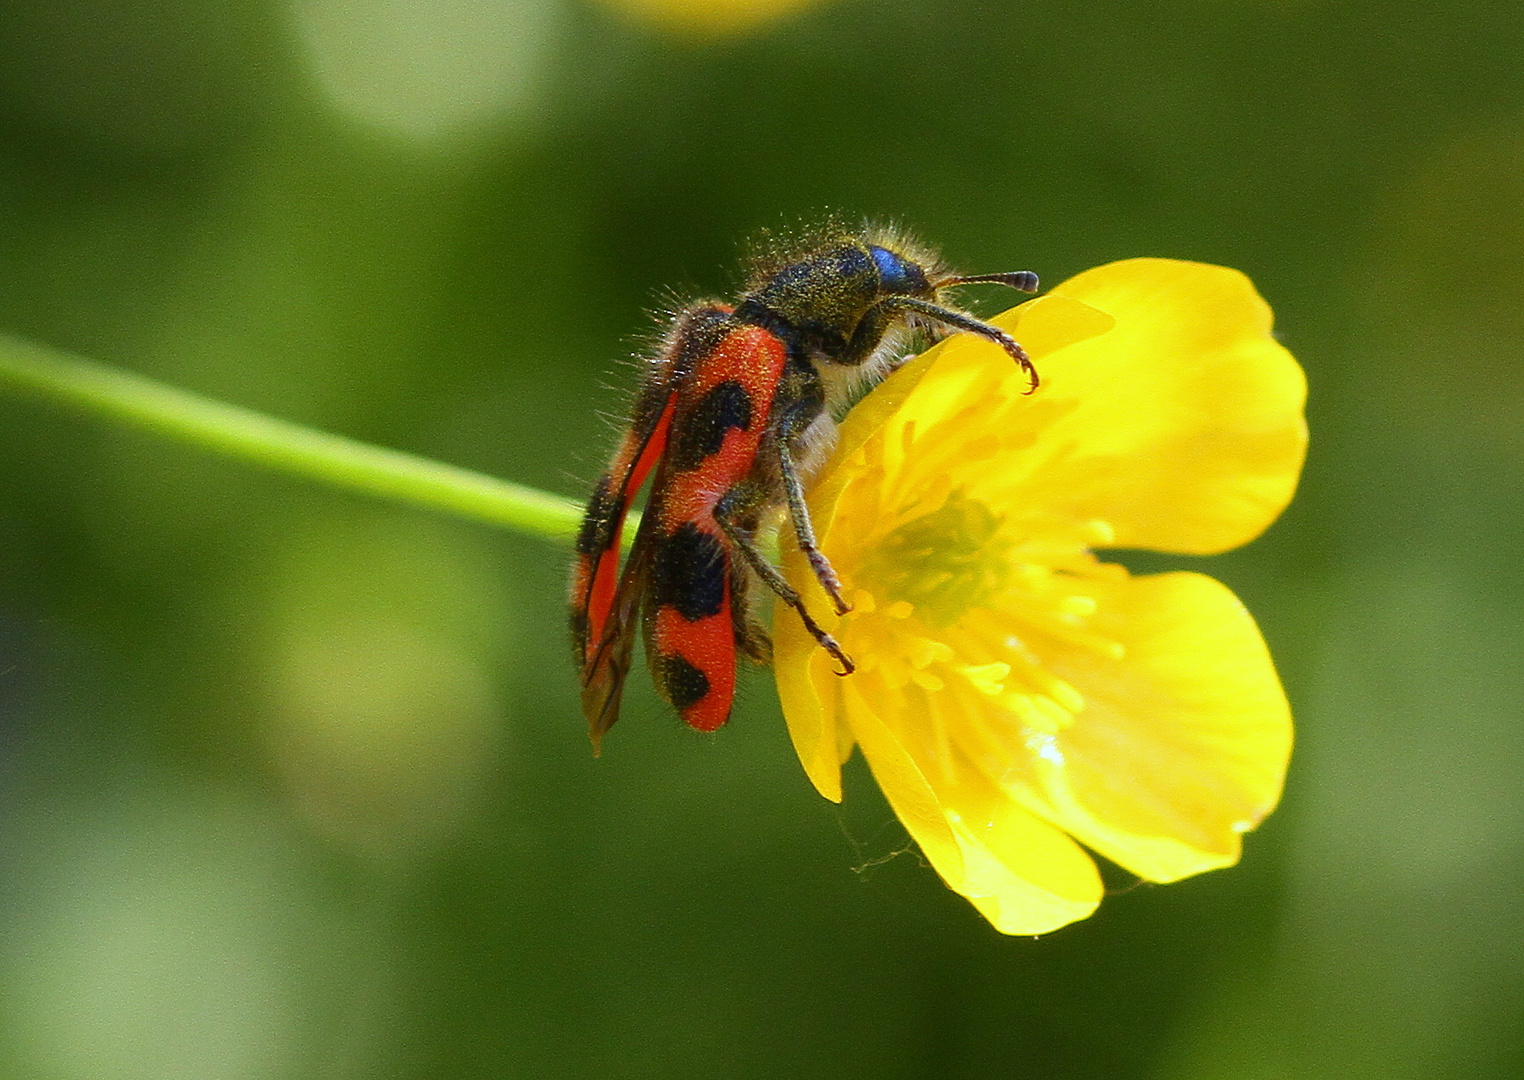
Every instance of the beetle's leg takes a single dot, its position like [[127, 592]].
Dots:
[[752, 638], [804, 529], [869, 334], [806, 407], [881, 314], [723, 511]]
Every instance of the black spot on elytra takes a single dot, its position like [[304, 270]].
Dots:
[[597, 533], [727, 405], [685, 685], [689, 573]]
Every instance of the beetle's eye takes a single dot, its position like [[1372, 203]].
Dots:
[[899, 275]]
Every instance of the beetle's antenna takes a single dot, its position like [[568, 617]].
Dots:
[[1021, 280]]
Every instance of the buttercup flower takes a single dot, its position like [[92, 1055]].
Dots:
[[1015, 696], [710, 18]]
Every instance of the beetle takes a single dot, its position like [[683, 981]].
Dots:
[[737, 407]]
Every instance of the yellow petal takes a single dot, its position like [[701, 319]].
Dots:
[[1182, 427], [906, 787], [1024, 875], [1005, 856], [1182, 744], [972, 376], [1054, 322], [812, 726]]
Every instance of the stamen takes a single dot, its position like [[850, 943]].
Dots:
[[986, 678], [926, 681], [923, 651], [1092, 643], [1066, 696], [1041, 713]]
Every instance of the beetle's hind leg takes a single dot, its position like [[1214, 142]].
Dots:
[[751, 636]]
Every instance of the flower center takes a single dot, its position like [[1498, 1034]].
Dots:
[[942, 563], [954, 610]]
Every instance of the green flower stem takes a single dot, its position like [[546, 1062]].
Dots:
[[252, 436]]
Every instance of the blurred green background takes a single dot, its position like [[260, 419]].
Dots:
[[293, 783]]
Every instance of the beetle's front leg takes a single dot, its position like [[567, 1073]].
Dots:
[[881, 314]]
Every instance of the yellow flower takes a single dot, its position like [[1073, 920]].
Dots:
[[710, 18], [1014, 694]]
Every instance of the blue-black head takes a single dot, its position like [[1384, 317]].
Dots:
[[838, 299]]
